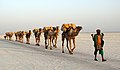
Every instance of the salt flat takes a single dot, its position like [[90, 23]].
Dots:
[[20, 56]]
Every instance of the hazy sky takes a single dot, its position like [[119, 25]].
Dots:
[[28, 14]]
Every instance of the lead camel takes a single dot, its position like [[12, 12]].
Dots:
[[70, 31]]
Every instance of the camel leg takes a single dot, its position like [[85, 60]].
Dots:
[[68, 47], [53, 42], [56, 42], [22, 40], [63, 44], [70, 44], [38, 42], [27, 40], [45, 36], [19, 39], [6, 37], [46, 44], [16, 38], [50, 44], [74, 44], [10, 38]]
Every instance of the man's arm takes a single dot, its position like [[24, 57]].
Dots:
[[92, 37], [102, 35]]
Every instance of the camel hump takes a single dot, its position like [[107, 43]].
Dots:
[[69, 25], [73, 26], [21, 32], [26, 32], [65, 26], [9, 33], [48, 28], [35, 30]]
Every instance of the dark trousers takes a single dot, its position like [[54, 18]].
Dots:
[[100, 51]]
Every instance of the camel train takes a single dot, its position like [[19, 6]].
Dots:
[[69, 32]]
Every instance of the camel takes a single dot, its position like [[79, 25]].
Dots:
[[19, 36], [16, 35], [9, 35], [37, 33], [55, 36], [70, 31], [51, 35], [28, 34], [48, 35]]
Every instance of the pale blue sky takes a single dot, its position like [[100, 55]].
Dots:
[[28, 14]]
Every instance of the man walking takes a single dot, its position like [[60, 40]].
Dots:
[[98, 44]]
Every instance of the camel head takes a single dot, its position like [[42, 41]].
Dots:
[[56, 28], [40, 30], [79, 28], [29, 32], [22, 32], [16, 33], [74, 32]]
